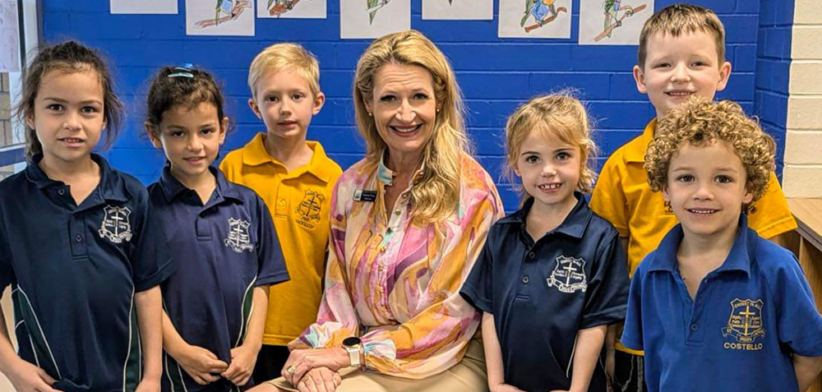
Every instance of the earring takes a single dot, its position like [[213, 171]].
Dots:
[[668, 208], [370, 114]]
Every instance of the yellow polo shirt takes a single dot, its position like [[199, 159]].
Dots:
[[299, 202], [624, 197]]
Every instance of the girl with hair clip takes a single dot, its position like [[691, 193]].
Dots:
[[221, 235], [551, 276], [78, 241]]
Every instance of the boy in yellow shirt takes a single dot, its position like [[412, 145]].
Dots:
[[295, 178], [681, 53]]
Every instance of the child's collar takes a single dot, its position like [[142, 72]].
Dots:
[[739, 259]]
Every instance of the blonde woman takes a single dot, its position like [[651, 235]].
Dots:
[[407, 223]]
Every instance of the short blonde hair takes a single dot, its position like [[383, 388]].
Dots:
[[560, 115], [436, 195], [700, 122], [285, 56], [678, 19]]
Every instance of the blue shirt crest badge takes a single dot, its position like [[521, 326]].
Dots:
[[745, 322], [568, 275], [116, 226], [238, 239]]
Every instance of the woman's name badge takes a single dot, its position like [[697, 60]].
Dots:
[[364, 195]]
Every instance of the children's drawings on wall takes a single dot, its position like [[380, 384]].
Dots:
[[613, 22], [144, 7], [458, 9], [373, 18], [220, 17], [307, 9], [373, 7], [9, 37], [535, 18]]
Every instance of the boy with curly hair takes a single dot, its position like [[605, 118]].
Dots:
[[681, 54], [715, 304]]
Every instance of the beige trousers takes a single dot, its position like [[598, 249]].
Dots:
[[466, 376]]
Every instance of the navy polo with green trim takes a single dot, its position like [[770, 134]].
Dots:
[[542, 293], [223, 248], [74, 271]]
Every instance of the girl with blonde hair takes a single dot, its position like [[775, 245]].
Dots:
[[551, 276]]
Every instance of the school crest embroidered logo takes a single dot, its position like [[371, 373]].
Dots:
[[309, 209], [116, 226], [238, 239], [744, 324], [568, 275]]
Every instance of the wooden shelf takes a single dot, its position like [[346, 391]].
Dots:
[[808, 213]]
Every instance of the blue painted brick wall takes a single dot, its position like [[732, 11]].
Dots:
[[773, 65], [495, 74]]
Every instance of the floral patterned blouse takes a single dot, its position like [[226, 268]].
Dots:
[[396, 285]]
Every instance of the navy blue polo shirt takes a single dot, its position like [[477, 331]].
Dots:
[[749, 316], [542, 293], [74, 271], [223, 250]]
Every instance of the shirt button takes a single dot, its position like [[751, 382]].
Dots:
[[61, 192], [694, 327], [282, 202], [531, 255], [397, 212], [78, 238], [525, 279]]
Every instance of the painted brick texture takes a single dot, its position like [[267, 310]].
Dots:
[[495, 74], [803, 161]]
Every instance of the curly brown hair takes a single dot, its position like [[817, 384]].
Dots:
[[701, 121]]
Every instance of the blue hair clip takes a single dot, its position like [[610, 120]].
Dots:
[[183, 72]]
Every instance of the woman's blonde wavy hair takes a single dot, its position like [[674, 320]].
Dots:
[[559, 115], [436, 194], [700, 122]]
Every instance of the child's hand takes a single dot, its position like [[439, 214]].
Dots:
[[148, 385], [29, 378], [505, 388], [202, 365], [243, 359]]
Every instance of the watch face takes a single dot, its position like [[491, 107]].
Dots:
[[352, 341]]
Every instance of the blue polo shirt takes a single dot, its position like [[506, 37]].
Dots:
[[223, 250], [74, 271], [749, 316], [542, 293]]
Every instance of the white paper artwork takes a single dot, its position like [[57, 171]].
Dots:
[[535, 18], [373, 18], [220, 17], [306, 9], [144, 7], [9, 37], [613, 22], [458, 9]]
